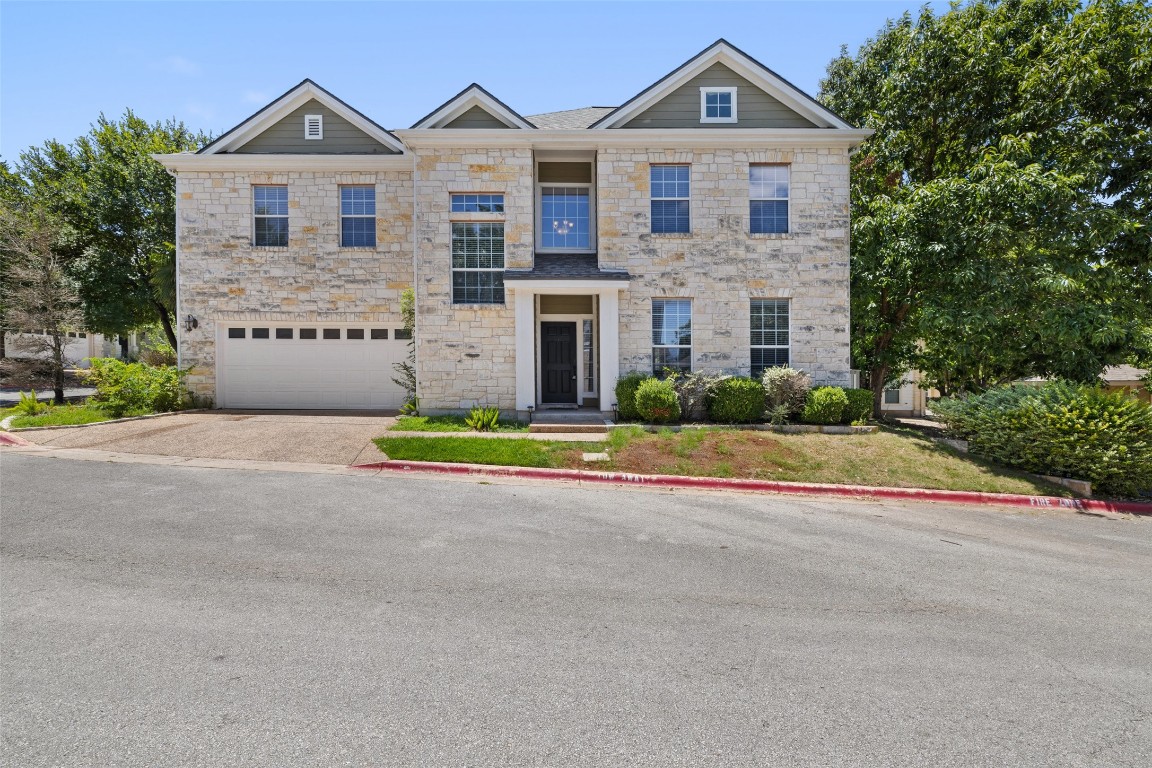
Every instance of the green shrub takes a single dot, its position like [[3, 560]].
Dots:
[[859, 406], [30, 405], [824, 405], [738, 400], [626, 388], [129, 388], [483, 419], [1060, 429], [656, 401], [785, 390]]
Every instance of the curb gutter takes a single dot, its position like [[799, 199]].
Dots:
[[765, 486]]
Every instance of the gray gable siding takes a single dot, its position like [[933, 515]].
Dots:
[[340, 136], [754, 108], [476, 117]]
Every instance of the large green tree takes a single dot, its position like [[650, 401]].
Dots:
[[1001, 210], [122, 206]]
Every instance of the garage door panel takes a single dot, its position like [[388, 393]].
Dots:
[[306, 373]]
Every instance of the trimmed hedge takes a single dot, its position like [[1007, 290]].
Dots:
[[859, 406], [626, 387], [1060, 429], [737, 400], [656, 401], [824, 405]]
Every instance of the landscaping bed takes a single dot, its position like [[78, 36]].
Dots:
[[886, 459], [448, 424]]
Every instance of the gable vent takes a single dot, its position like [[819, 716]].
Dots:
[[313, 126]]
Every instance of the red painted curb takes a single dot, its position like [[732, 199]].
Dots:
[[7, 438], [766, 486]]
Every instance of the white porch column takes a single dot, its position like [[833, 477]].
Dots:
[[609, 346], [525, 308]]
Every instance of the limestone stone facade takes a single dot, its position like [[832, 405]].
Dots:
[[494, 354]]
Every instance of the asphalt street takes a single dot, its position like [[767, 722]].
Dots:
[[177, 616]]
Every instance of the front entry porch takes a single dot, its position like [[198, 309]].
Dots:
[[567, 343]]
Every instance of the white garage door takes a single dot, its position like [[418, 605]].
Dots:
[[280, 365]]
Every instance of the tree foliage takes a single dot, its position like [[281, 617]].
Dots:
[[121, 205], [1001, 209]]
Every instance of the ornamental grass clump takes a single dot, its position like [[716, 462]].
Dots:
[[695, 392], [785, 392], [825, 405], [656, 401], [738, 400], [1060, 429]]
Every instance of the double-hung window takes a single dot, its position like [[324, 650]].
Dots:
[[270, 216], [768, 199], [670, 196], [769, 334], [358, 217], [478, 251], [671, 335]]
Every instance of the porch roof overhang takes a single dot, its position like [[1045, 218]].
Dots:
[[579, 271]]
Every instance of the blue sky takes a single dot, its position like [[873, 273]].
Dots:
[[212, 64]]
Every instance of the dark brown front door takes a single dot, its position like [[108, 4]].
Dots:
[[558, 363]]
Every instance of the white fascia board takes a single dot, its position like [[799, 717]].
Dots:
[[656, 138], [473, 97], [565, 287], [184, 161], [278, 110], [774, 86]]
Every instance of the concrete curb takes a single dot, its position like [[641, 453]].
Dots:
[[765, 486], [7, 438]]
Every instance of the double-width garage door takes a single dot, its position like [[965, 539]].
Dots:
[[282, 365]]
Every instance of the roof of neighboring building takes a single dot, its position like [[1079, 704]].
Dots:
[[1123, 373], [569, 118], [565, 266]]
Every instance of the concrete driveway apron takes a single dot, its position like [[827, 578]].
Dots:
[[321, 437]]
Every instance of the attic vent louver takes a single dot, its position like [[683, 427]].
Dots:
[[313, 126]]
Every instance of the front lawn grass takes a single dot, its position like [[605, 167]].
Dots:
[[63, 416], [447, 424], [893, 458], [511, 452]]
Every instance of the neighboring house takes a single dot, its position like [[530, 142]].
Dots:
[[82, 346], [1129, 378], [702, 225]]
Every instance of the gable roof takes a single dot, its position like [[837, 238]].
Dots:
[[473, 96], [570, 119], [301, 94], [732, 57]]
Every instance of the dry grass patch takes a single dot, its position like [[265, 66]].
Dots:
[[886, 458]]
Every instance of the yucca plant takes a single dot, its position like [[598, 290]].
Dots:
[[483, 419], [30, 405]]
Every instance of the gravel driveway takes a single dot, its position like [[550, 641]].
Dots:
[[320, 437]]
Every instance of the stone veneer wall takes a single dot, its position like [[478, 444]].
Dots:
[[223, 277], [720, 266], [465, 354]]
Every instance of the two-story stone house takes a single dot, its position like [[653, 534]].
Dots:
[[701, 225]]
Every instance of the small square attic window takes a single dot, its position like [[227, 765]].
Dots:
[[718, 104], [313, 126]]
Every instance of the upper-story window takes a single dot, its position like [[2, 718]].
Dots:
[[477, 203], [768, 198], [718, 104], [565, 205], [478, 251], [358, 217], [670, 190], [270, 215]]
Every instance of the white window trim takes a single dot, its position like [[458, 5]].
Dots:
[[340, 202], [581, 371], [591, 187], [652, 328], [704, 91], [787, 199], [309, 121], [788, 346], [652, 197], [263, 216]]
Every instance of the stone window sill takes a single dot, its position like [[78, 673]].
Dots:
[[772, 235]]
